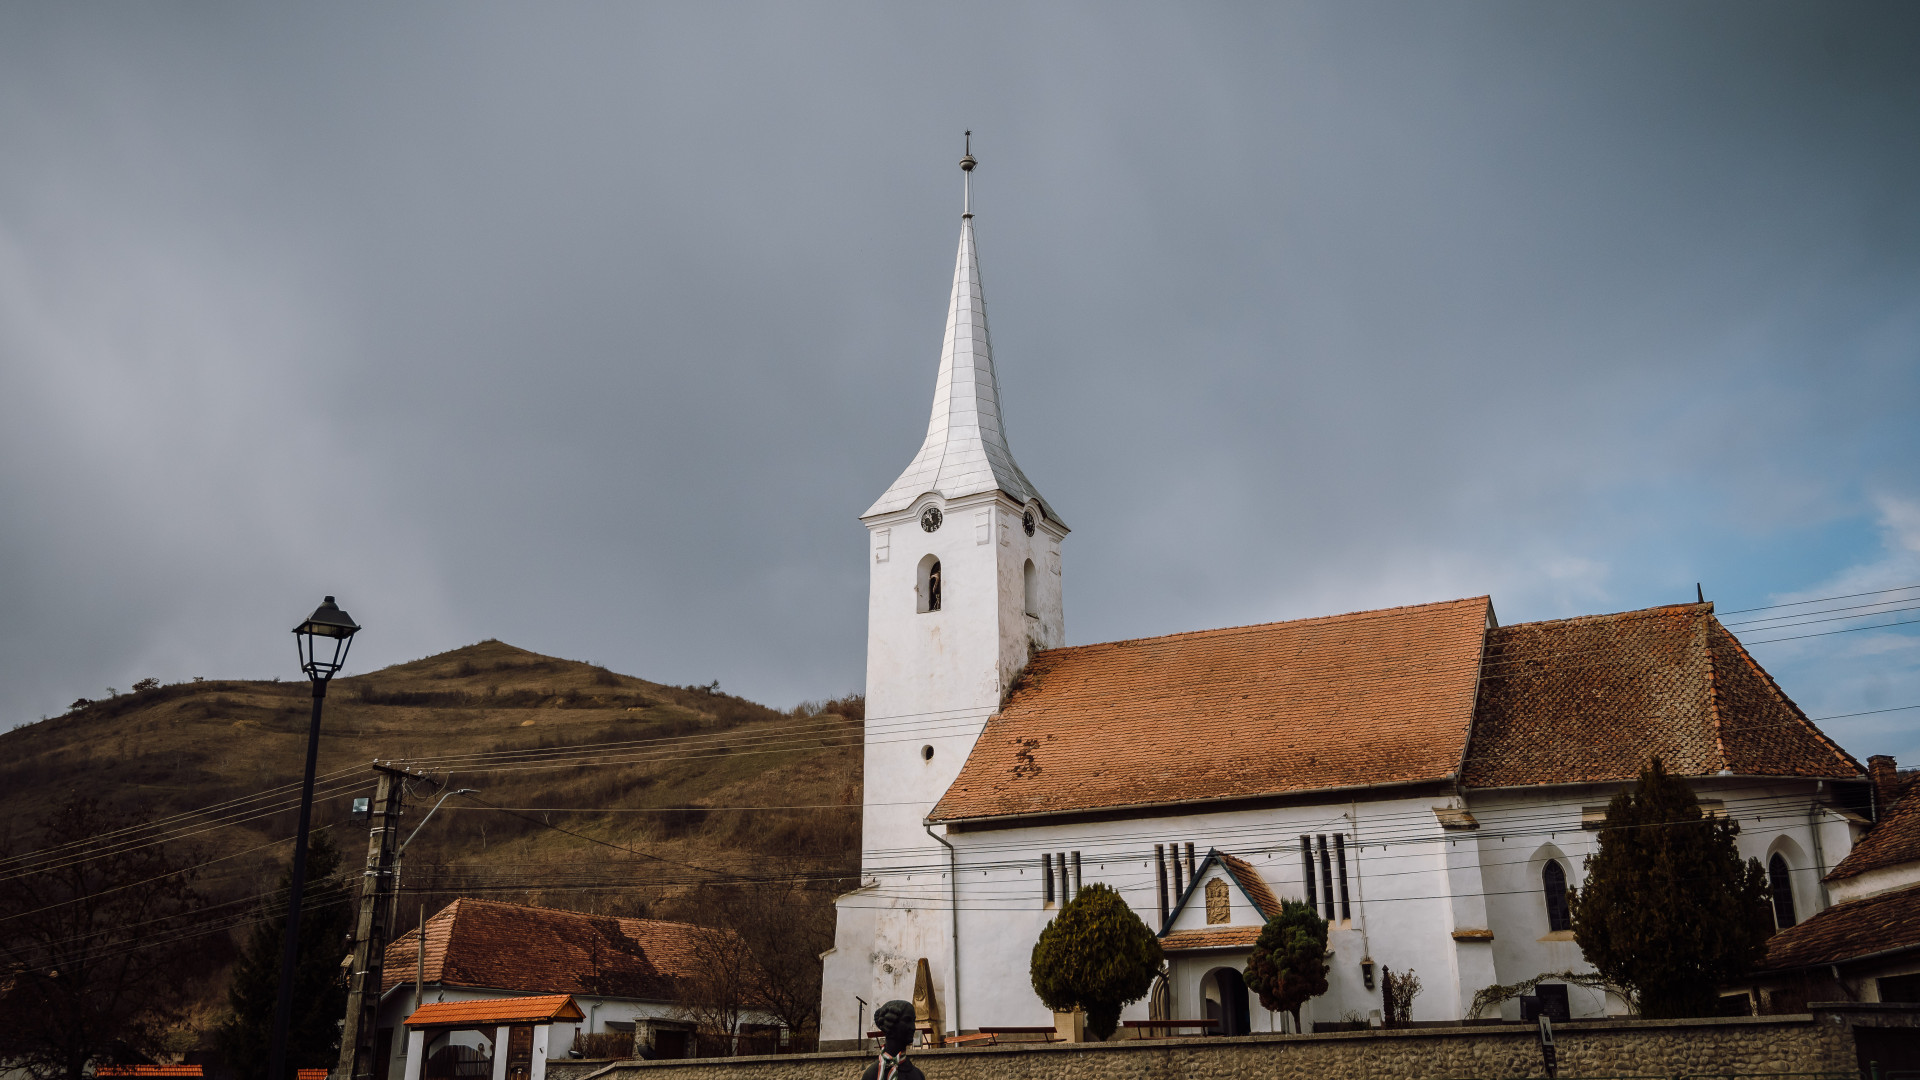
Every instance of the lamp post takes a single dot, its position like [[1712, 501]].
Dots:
[[323, 640]]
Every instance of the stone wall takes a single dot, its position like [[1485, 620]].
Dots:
[[1820, 1042]]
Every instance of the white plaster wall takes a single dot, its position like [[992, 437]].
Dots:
[[1874, 882], [1519, 827], [1400, 914]]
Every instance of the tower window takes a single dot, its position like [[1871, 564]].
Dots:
[[1782, 889], [1553, 881], [928, 587], [1032, 581]]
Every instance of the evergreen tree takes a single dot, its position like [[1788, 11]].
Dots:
[[1669, 912], [1095, 955], [1289, 961], [319, 990]]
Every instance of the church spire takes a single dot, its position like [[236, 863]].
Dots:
[[965, 452]]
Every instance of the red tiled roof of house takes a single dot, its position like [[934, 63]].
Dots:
[[1597, 697], [1373, 697], [502, 946], [309, 1074], [1874, 924], [513, 1010], [1213, 937], [1894, 839], [1250, 881]]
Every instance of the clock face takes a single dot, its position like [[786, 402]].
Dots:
[[1026, 522], [930, 518]]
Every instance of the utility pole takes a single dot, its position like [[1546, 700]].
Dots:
[[370, 929]]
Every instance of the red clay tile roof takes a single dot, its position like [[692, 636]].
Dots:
[[1894, 839], [513, 1010], [1873, 924], [1373, 697], [1249, 880], [1597, 697], [1214, 937], [501, 946]]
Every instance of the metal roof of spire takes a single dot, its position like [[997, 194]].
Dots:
[[966, 448]]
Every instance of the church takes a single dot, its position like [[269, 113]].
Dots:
[[1427, 778]]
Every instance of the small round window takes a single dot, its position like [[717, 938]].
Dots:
[[926, 753]]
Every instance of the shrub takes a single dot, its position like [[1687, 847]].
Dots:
[[1095, 955], [1289, 961]]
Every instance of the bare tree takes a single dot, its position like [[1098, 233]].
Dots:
[[722, 989], [99, 942]]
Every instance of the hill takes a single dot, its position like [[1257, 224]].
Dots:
[[596, 791]]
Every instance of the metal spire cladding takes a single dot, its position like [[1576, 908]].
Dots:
[[966, 448]]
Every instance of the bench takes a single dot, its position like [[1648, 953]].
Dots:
[[995, 1034], [1151, 1029]]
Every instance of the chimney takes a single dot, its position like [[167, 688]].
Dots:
[[1886, 783]]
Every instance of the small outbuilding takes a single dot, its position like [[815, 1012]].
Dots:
[[489, 1039]]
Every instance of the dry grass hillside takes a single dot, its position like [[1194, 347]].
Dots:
[[674, 786]]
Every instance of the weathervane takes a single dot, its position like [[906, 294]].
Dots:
[[966, 166]]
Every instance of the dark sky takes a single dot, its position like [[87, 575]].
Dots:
[[592, 327]]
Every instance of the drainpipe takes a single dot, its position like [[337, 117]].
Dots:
[[1819, 854], [953, 910]]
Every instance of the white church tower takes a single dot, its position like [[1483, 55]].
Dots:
[[964, 564]]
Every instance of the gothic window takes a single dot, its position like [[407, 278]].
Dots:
[[928, 587], [1032, 582], [1553, 881], [1782, 889], [1218, 910]]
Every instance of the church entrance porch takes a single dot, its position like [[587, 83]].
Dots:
[[1223, 999]]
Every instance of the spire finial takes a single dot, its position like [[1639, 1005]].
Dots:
[[966, 166]]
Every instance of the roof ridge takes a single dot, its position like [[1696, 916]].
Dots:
[[1702, 634], [1356, 616], [1632, 613]]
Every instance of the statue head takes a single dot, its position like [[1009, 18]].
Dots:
[[896, 1021]]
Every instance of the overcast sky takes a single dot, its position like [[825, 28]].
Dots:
[[592, 327]]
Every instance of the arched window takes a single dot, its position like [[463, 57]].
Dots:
[[1553, 880], [1032, 581], [927, 589], [1782, 889]]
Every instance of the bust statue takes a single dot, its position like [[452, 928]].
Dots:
[[895, 1020]]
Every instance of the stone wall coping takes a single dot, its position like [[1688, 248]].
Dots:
[[1512, 1030]]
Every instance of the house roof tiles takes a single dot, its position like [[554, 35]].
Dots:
[[1894, 839], [1372, 697], [1401, 695], [1213, 937], [1595, 698], [516, 947], [1875, 924], [513, 1010]]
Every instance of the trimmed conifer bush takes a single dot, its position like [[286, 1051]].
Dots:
[[1289, 961], [1096, 955]]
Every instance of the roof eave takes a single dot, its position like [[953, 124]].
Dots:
[[1191, 806]]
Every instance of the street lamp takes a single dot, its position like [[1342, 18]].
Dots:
[[323, 640]]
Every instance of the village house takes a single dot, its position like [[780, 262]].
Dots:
[[626, 979], [1866, 947], [1427, 778]]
